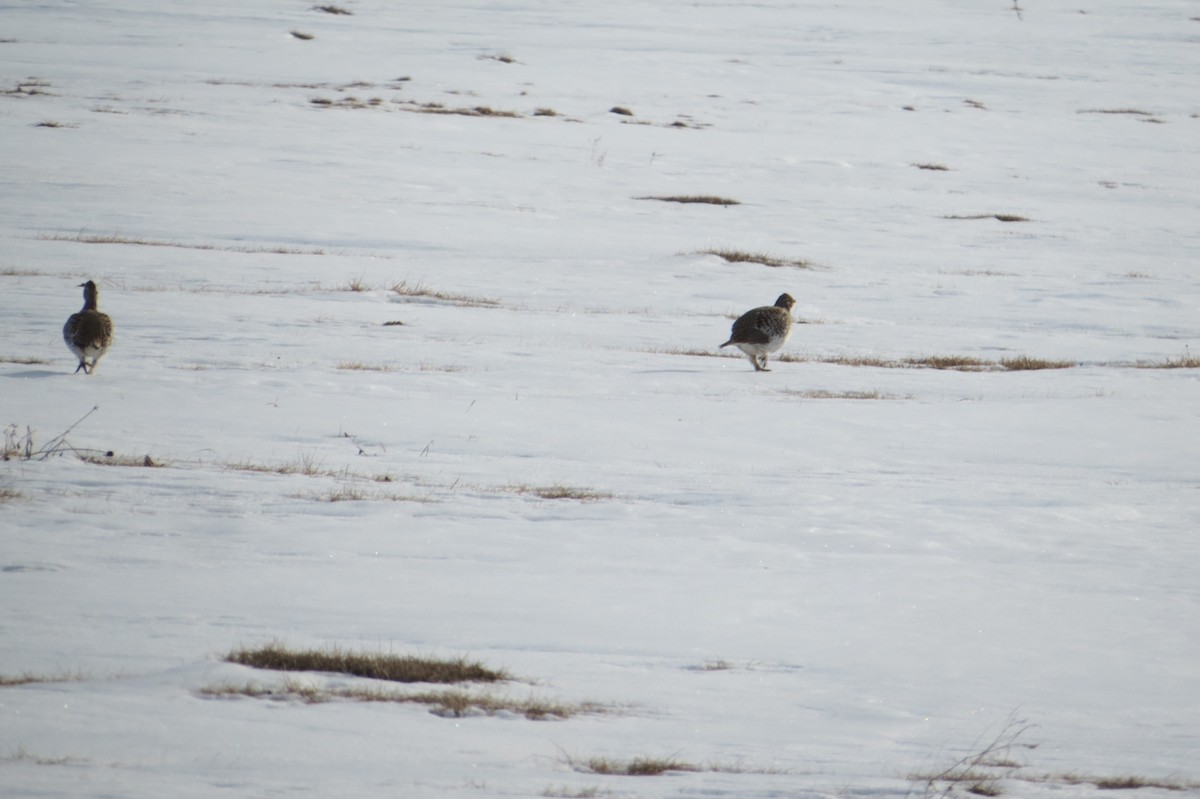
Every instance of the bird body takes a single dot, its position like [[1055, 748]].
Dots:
[[764, 330], [88, 333]]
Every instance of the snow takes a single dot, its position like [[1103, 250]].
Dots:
[[828, 591]]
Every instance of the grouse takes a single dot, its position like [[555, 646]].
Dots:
[[89, 332], [763, 330]]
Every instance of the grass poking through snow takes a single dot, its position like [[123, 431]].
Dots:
[[373, 665]]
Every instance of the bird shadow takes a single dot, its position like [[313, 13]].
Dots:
[[32, 373]]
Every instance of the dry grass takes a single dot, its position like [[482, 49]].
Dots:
[[471, 111], [454, 703], [933, 167], [1186, 361], [333, 10], [375, 665], [637, 767], [1000, 217], [53, 123], [359, 366], [1118, 783], [421, 291], [981, 771], [8, 495], [559, 492], [962, 363], [29, 678], [24, 360], [703, 199], [1027, 363], [643, 766], [114, 239], [742, 256]]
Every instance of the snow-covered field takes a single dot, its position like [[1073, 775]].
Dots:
[[811, 582]]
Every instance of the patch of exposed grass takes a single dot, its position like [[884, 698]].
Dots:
[[455, 703], [309, 465], [359, 366], [29, 87], [465, 111], [22, 359], [560, 492], [703, 199], [742, 256], [1026, 363], [1000, 217], [30, 678], [376, 666], [421, 291], [1127, 782], [114, 239], [54, 123], [1127, 111], [333, 10], [1186, 361], [636, 767], [23, 755], [933, 167], [8, 495], [644, 766], [962, 363]]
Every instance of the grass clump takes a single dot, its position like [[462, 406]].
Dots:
[[962, 363], [703, 199], [333, 10], [636, 767], [742, 256], [1186, 361], [451, 703], [933, 167], [1027, 363], [419, 290], [561, 492], [376, 666], [999, 217], [29, 678]]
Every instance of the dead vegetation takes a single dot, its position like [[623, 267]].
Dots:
[[743, 256], [451, 703], [558, 492], [83, 238], [30, 678], [419, 290], [30, 87], [998, 217], [933, 167], [333, 10], [689, 199], [372, 665]]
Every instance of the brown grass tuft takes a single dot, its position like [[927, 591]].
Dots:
[[376, 666], [742, 256], [703, 199]]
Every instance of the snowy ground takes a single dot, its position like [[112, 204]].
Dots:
[[817, 580]]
